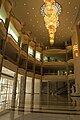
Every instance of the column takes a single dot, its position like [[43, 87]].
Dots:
[[32, 92], [67, 70], [48, 88], [15, 79], [22, 93], [23, 85], [68, 85], [76, 56]]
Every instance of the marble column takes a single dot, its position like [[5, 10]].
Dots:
[[33, 78], [48, 88], [14, 91], [76, 56], [15, 78], [22, 94], [68, 86]]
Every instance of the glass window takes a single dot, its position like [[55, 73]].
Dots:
[[45, 59], [6, 85], [30, 51], [12, 31], [38, 55], [3, 14]]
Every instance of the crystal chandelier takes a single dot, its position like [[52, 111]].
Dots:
[[50, 10]]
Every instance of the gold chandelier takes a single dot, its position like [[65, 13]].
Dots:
[[50, 10]]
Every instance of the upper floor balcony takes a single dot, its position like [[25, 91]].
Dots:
[[56, 64], [71, 76], [70, 61], [54, 77]]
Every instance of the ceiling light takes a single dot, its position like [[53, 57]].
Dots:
[[30, 19], [68, 27], [32, 8], [69, 2], [75, 8], [68, 12], [25, 4], [27, 13], [51, 10]]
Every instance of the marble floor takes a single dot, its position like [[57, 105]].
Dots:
[[39, 116], [46, 108]]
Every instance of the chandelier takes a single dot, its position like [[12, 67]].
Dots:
[[50, 10]]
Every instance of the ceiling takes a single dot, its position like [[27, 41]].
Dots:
[[28, 12]]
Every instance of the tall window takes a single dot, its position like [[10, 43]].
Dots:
[[38, 55], [3, 14], [12, 31], [45, 59], [30, 51]]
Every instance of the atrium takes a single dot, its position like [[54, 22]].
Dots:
[[39, 59]]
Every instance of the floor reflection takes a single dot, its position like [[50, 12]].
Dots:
[[36, 104], [52, 102]]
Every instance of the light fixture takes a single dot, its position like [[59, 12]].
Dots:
[[50, 10]]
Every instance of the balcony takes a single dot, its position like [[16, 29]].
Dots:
[[54, 51], [56, 64], [71, 76], [13, 42], [23, 53], [54, 77], [70, 62]]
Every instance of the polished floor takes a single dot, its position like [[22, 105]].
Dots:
[[46, 108]]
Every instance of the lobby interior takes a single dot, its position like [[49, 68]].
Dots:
[[39, 60]]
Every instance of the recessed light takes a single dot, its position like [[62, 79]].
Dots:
[[69, 2], [25, 4], [68, 27], [75, 8], [30, 19], [68, 12], [27, 13], [32, 8]]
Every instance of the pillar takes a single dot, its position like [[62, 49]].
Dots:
[[76, 56], [22, 93], [48, 88], [15, 78], [68, 87], [33, 78], [23, 85], [67, 70]]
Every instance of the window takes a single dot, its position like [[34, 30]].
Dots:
[[45, 59], [3, 14], [12, 31], [30, 51], [38, 55]]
